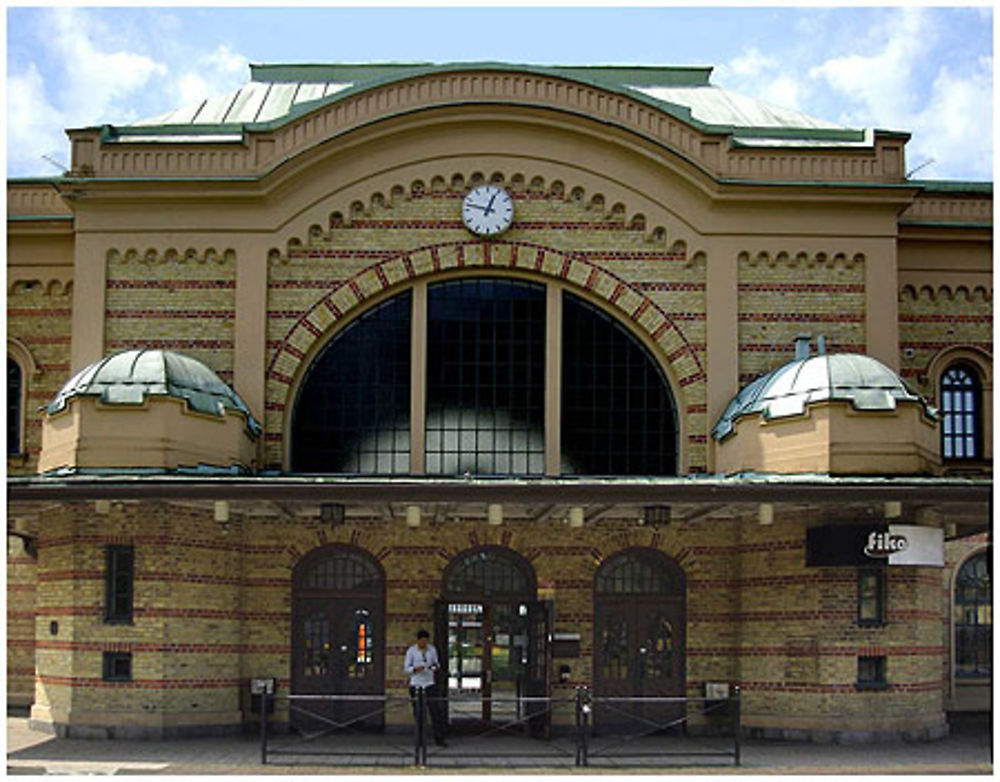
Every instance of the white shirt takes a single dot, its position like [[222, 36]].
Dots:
[[416, 656]]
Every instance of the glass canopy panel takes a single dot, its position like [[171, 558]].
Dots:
[[485, 377], [353, 410], [618, 415]]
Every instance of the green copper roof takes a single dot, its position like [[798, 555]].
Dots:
[[862, 380], [126, 378], [280, 92]]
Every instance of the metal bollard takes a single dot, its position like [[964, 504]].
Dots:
[[263, 727], [585, 710], [420, 750], [737, 725]]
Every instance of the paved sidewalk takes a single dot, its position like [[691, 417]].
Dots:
[[967, 751]]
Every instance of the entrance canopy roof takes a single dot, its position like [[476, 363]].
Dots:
[[738, 488]]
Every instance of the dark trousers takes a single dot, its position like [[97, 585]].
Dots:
[[434, 706]]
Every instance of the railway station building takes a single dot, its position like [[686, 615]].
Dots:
[[609, 377]]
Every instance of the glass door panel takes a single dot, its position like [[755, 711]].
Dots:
[[466, 648], [508, 658]]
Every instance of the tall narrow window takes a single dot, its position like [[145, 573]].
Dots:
[[961, 413], [618, 415], [119, 578], [353, 410], [485, 377], [15, 385], [871, 596], [974, 618]]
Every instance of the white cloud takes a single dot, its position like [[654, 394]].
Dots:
[[214, 73], [34, 126], [951, 122], [84, 72], [98, 81], [880, 83], [956, 126], [763, 77], [751, 63]]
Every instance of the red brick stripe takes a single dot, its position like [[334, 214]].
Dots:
[[166, 314]]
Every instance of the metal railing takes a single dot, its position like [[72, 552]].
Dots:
[[583, 746]]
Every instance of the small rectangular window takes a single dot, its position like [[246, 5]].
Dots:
[[117, 666], [871, 673], [119, 578], [871, 597]]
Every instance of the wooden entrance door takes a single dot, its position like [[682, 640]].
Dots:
[[639, 639], [338, 632]]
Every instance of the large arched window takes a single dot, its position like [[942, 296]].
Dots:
[[617, 411], [501, 366], [961, 413], [974, 618], [485, 377], [353, 410], [15, 389]]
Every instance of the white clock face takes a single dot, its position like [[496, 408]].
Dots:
[[488, 210]]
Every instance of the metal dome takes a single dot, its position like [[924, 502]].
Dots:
[[865, 382], [126, 378]]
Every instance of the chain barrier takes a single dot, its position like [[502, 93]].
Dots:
[[580, 745]]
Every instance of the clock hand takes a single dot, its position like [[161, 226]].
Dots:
[[478, 206], [489, 206]]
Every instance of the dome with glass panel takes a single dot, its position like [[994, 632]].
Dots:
[[865, 382]]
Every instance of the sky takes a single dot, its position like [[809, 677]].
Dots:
[[925, 70]]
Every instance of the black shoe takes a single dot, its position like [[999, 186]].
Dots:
[[441, 742]]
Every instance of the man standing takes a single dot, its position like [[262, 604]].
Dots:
[[421, 664]]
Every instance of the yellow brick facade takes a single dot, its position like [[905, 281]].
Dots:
[[306, 224]]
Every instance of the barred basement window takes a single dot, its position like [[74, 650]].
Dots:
[[871, 673], [119, 578], [117, 667], [961, 402], [871, 597]]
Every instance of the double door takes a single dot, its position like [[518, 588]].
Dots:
[[497, 657], [336, 651], [639, 652]]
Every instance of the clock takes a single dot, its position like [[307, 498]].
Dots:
[[488, 210]]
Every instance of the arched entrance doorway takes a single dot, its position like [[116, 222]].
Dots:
[[338, 635], [494, 633], [639, 635]]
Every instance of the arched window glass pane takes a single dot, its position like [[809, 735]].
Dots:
[[631, 574], [353, 409], [14, 389], [960, 413], [974, 618], [487, 572], [485, 377], [618, 415], [342, 571]]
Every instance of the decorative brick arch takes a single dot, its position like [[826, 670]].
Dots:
[[678, 356]]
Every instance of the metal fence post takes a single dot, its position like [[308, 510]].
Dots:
[[585, 713], [263, 727], [578, 709], [421, 748], [737, 725]]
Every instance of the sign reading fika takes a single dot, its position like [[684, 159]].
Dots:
[[904, 544]]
